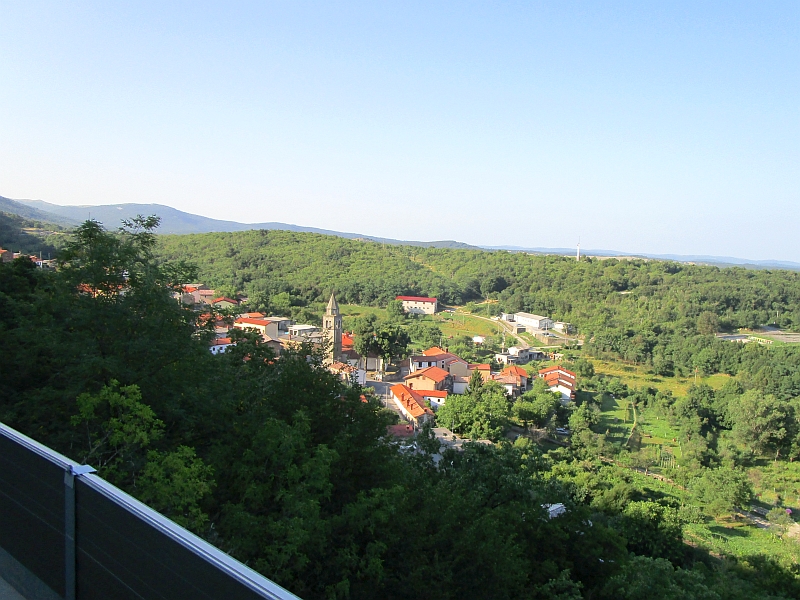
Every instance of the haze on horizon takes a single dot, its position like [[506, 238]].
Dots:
[[657, 129]]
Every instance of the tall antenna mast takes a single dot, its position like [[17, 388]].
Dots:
[[578, 256]]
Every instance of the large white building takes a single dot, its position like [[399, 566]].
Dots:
[[530, 321], [418, 305]]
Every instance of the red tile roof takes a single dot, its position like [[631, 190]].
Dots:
[[401, 431], [221, 342], [415, 299], [434, 373], [514, 370], [224, 299], [432, 393], [484, 367], [435, 351], [554, 379], [249, 321], [411, 401], [557, 369]]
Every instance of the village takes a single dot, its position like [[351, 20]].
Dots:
[[421, 383]]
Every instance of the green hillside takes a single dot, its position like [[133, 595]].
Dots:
[[284, 466], [30, 236]]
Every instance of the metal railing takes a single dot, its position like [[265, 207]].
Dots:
[[66, 533]]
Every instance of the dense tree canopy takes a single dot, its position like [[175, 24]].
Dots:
[[286, 467]]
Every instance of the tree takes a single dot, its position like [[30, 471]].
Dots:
[[722, 490], [645, 578], [584, 416], [761, 421], [524, 411], [475, 382], [584, 368], [391, 341], [395, 309], [480, 414], [537, 406], [174, 483], [780, 520], [707, 323], [117, 426]]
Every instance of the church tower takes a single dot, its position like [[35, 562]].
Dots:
[[332, 327]]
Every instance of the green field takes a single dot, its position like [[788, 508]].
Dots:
[[637, 377], [726, 537], [459, 323], [616, 420]]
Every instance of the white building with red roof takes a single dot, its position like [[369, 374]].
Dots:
[[419, 305], [411, 404], [224, 302], [436, 357], [219, 345], [265, 327], [561, 380], [432, 378]]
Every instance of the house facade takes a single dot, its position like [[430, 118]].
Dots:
[[265, 327], [432, 378], [531, 321], [219, 345], [411, 405], [418, 305], [560, 380]]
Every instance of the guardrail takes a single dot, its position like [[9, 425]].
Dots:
[[66, 533]]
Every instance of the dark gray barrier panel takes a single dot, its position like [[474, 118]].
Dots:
[[32, 506], [124, 549]]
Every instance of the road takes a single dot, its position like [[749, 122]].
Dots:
[[382, 391]]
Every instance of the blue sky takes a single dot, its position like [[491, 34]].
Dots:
[[641, 127]]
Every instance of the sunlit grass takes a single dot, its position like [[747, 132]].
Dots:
[[637, 376]]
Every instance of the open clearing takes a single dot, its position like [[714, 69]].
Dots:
[[637, 377]]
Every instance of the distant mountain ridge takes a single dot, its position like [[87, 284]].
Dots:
[[174, 221]]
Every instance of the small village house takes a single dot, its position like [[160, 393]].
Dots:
[[265, 327], [219, 345], [411, 405], [432, 378], [418, 305], [348, 373], [531, 321], [224, 303], [561, 380]]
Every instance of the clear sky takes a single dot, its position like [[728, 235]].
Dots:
[[669, 127]]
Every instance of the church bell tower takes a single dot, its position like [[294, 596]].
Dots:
[[332, 327]]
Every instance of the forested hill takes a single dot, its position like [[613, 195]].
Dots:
[[595, 294]]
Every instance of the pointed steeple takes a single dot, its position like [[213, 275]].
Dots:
[[333, 306]]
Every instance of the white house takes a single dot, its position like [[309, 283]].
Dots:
[[460, 384], [531, 321], [348, 373], [563, 327], [301, 330], [219, 345], [521, 355], [436, 398], [264, 326], [419, 305]]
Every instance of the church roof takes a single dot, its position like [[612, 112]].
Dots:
[[333, 306]]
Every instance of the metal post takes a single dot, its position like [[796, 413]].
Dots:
[[69, 534], [70, 561]]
